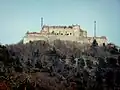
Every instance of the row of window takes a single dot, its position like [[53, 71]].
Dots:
[[62, 34]]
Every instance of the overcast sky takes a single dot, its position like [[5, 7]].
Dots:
[[19, 16]]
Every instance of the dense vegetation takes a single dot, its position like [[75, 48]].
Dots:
[[60, 65]]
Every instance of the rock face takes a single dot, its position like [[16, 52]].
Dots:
[[62, 65]]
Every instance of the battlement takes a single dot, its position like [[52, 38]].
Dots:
[[62, 27]]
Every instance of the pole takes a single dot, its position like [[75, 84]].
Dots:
[[41, 22], [94, 29]]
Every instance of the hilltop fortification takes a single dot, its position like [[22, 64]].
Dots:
[[67, 33]]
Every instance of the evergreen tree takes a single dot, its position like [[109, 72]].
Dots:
[[94, 43]]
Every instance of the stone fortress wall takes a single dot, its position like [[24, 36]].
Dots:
[[70, 33]]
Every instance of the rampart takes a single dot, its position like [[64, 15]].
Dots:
[[82, 40]]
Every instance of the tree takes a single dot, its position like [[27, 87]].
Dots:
[[89, 63], [111, 62], [119, 60], [104, 44], [94, 43], [102, 63], [82, 63]]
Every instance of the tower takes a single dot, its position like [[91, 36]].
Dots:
[[41, 22], [94, 29]]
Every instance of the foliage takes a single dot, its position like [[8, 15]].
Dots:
[[41, 65]]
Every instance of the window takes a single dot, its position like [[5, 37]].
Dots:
[[61, 33], [70, 33], [30, 41], [52, 32], [67, 34], [57, 33]]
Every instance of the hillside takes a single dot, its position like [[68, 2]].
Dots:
[[42, 65]]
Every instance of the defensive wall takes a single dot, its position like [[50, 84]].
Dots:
[[81, 40]]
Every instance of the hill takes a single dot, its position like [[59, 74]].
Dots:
[[59, 64]]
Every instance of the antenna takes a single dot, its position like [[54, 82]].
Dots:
[[94, 29], [41, 22]]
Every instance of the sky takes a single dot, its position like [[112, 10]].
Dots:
[[19, 16]]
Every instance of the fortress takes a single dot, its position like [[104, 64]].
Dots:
[[67, 33]]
